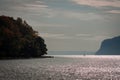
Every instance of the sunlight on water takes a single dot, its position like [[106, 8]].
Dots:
[[88, 56], [62, 67]]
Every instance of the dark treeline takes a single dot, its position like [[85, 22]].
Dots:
[[18, 39]]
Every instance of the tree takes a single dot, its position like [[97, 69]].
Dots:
[[18, 39]]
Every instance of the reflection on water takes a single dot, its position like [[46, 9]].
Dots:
[[62, 67]]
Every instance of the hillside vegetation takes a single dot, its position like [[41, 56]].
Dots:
[[18, 39]]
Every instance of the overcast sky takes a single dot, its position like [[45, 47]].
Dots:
[[68, 24]]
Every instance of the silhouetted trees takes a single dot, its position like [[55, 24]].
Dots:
[[18, 39]]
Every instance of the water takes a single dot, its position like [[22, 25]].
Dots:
[[62, 67]]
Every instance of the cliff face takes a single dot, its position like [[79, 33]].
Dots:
[[18, 39], [110, 47]]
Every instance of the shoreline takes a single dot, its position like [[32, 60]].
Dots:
[[15, 58]]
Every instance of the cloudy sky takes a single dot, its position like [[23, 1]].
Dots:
[[74, 25]]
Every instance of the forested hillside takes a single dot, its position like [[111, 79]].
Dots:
[[18, 39]]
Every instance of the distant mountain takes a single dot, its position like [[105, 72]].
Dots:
[[18, 39], [70, 53], [110, 47]]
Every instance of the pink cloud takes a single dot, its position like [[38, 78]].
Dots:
[[98, 3], [114, 11]]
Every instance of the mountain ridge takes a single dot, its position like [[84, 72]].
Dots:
[[110, 47]]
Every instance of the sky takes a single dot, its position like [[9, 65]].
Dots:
[[68, 25]]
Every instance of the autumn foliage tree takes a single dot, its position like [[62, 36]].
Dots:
[[18, 39]]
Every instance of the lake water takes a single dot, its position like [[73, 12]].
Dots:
[[62, 67]]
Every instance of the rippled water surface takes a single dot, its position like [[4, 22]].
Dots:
[[72, 67]]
